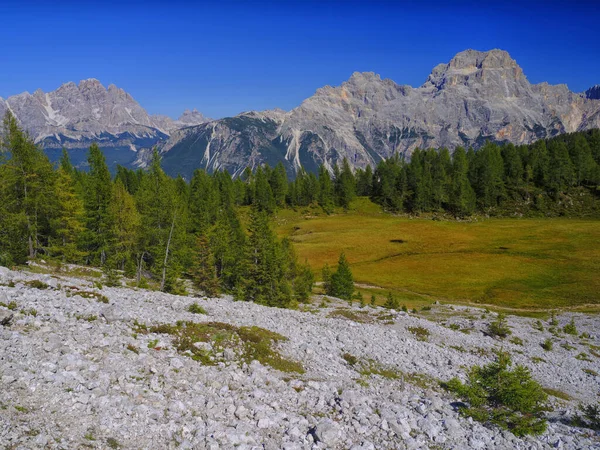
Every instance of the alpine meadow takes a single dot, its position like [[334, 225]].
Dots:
[[318, 257]]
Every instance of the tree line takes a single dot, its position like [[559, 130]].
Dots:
[[150, 226], [145, 224]]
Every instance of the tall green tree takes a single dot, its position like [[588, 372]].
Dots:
[[98, 235], [342, 282], [28, 187], [203, 270], [462, 196]]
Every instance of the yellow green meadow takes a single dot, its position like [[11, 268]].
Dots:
[[529, 264]]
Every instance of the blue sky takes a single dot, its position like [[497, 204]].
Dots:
[[226, 57]]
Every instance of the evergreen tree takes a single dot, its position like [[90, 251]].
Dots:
[[342, 282], [462, 196], [67, 223], [278, 183], [27, 182], [203, 271], [326, 197], [126, 222], [345, 185], [561, 173], [97, 198], [203, 202], [265, 280]]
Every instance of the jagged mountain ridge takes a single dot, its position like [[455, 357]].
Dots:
[[477, 96], [73, 116]]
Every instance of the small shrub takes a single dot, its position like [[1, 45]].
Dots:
[[350, 359], [499, 327], [195, 308], [590, 417], [404, 308], [133, 349], [567, 346], [591, 372], [373, 300], [585, 335], [537, 360], [421, 333], [454, 326], [37, 284], [113, 443], [539, 325], [391, 302], [583, 357], [510, 399], [516, 340], [570, 328], [553, 321], [12, 305], [547, 345]]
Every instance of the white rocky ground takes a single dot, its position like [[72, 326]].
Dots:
[[68, 382]]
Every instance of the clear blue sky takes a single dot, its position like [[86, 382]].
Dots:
[[226, 57]]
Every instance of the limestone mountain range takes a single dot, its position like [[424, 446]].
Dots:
[[477, 96]]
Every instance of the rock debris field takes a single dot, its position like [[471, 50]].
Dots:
[[82, 367]]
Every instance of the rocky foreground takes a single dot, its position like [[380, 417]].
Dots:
[[76, 372]]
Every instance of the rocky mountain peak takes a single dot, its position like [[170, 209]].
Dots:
[[593, 93]]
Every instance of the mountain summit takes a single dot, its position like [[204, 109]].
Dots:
[[477, 96], [74, 115]]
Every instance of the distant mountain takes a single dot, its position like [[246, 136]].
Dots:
[[477, 96], [593, 92], [74, 116]]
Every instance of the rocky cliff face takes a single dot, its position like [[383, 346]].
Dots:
[[477, 96], [74, 116], [593, 92]]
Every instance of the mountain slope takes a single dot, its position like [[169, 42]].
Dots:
[[477, 96], [74, 116]]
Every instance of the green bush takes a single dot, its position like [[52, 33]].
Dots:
[[499, 327], [570, 328], [510, 399], [547, 345], [391, 302], [590, 417], [195, 308]]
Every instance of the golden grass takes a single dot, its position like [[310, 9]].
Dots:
[[511, 263]]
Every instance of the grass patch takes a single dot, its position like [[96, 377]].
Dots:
[[421, 333], [355, 316], [558, 394], [247, 343], [350, 359], [89, 294], [195, 308], [550, 263], [37, 284], [583, 357], [591, 372]]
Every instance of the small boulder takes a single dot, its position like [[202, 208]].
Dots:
[[5, 317], [328, 432]]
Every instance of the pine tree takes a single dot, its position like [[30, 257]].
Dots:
[[278, 183], [342, 282], [326, 198], [203, 203], [462, 196], [265, 280], [126, 222], [203, 271], [68, 221], [97, 199], [28, 184], [345, 185]]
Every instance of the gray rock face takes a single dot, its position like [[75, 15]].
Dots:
[[477, 96], [74, 115], [593, 93], [70, 379]]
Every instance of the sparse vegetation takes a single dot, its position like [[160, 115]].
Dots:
[[195, 308], [499, 395], [547, 345], [516, 340], [421, 333], [499, 327], [590, 417], [570, 328], [37, 284], [350, 359], [247, 343]]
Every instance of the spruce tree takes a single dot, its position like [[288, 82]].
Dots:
[[326, 198], [462, 196], [203, 271], [97, 199], [342, 282]]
